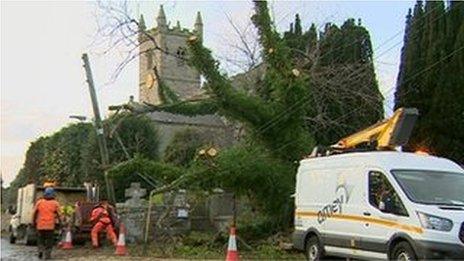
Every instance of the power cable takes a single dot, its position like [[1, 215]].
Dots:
[[409, 78], [270, 123]]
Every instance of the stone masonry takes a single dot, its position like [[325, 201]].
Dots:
[[170, 65], [182, 79]]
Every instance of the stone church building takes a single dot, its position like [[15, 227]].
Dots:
[[169, 66]]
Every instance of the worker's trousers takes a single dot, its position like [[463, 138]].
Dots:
[[45, 242], [109, 233]]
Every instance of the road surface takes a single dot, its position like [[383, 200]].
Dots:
[[17, 252], [14, 252]]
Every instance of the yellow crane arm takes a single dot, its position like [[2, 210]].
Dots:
[[386, 134]]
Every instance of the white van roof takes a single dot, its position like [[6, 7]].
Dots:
[[386, 160]]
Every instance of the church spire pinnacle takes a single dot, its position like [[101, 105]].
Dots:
[[198, 21], [161, 19], [198, 26], [142, 25]]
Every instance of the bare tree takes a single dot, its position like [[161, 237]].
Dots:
[[118, 31], [329, 84]]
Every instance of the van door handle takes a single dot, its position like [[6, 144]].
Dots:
[[366, 214]]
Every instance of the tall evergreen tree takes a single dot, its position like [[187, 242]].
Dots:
[[430, 77], [312, 39], [298, 28], [341, 63], [413, 61], [404, 49]]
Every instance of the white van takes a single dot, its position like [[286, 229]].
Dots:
[[380, 205]]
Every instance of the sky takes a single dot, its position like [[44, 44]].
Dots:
[[43, 82]]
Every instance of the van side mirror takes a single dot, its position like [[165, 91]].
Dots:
[[387, 207]]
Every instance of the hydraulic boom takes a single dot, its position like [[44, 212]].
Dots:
[[384, 135]]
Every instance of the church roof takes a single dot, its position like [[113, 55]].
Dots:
[[210, 120]]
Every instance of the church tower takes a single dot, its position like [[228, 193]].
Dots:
[[168, 64]]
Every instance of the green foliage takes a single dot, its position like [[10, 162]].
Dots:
[[253, 172], [53, 157], [182, 249], [231, 102], [126, 172], [431, 79], [257, 227], [262, 169], [300, 42], [5, 198], [202, 107], [127, 135], [196, 239], [184, 146], [33, 169], [248, 171], [347, 44], [198, 252], [275, 117], [298, 29], [11, 194], [62, 156], [138, 134], [266, 116], [71, 155], [340, 62], [167, 96]]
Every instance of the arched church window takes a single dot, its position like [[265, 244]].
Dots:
[[180, 54]]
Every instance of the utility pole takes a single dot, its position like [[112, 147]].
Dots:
[[99, 128]]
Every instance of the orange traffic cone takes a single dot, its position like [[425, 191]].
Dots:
[[121, 249], [232, 253], [67, 243]]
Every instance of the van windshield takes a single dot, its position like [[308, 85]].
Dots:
[[432, 187]]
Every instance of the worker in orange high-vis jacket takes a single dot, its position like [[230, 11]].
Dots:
[[46, 213], [102, 217]]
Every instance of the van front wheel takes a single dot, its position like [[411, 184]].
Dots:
[[403, 252], [313, 249]]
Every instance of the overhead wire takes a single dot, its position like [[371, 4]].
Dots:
[[383, 53], [275, 120], [413, 76]]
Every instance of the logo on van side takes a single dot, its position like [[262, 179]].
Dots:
[[336, 205]]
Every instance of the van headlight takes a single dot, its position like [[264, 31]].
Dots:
[[433, 222]]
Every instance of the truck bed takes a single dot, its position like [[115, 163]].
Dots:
[[28, 195]]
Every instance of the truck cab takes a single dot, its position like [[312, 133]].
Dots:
[[380, 205]]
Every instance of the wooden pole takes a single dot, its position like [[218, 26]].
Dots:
[[99, 128]]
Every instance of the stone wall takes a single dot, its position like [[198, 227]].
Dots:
[[177, 213], [214, 213], [183, 79], [212, 127], [147, 60], [135, 221]]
